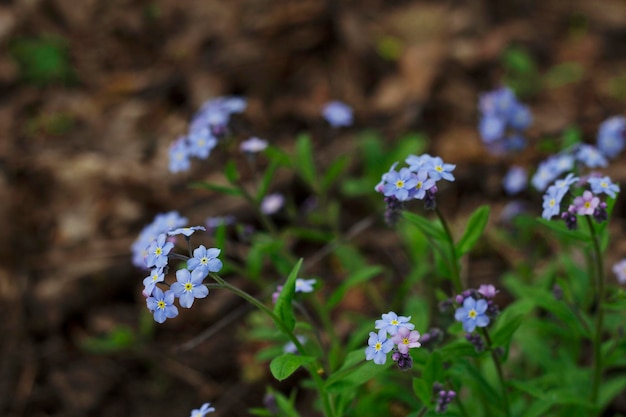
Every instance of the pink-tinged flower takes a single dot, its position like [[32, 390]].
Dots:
[[253, 145], [586, 204], [406, 339], [272, 203], [620, 270], [487, 291]]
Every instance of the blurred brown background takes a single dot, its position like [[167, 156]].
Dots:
[[93, 92]]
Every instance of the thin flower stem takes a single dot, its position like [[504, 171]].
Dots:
[[312, 368], [456, 274], [422, 412], [496, 361], [599, 298]]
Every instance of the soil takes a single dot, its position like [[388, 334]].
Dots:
[[84, 156]]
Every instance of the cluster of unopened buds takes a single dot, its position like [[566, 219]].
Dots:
[[402, 338], [443, 397]]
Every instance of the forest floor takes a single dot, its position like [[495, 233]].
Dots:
[[92, 94]]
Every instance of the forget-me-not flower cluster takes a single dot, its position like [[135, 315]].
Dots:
[[207, 126], [395, 334], [414, 181], [156, 254], [503, 120]]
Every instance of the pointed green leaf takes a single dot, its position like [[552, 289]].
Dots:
[[506, 325], [218, 188], [286, 364], [433, 371], [266, 180], [284, 308], [358, 375], [429, 228], [333, 172], [475, 228], [356, 278], [304, 163], [422, 390], [231, 173]]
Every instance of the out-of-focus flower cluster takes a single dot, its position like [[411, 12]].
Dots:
[[207, 126], [503, 120]]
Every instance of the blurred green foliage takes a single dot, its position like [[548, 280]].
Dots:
[[43, 60]]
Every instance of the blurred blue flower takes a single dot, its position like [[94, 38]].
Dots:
[[611, 136], [515, 180], [337, 114], [179, 155], [591, 156], [202, 411], [603, 185]]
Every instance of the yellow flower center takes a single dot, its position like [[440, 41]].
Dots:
[[604, 184], [399, 183], [188, 286], [552, 202], [419, 185], [405, 341], [395, 322], [155, 277], [158, 251], [438, 168], [472, 314], [587, 204], [204, 260], [378, 346], [161, 304]]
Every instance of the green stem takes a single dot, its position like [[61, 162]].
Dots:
[[496, 361], [599, 298], [456, 274], [312, 368], [422, 412]]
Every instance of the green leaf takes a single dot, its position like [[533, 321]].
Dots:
[[284, 308], [362, 275], [231, 173], [506, 325], [358, 375], [610, 388], [304, 163], [429, 228], [333, 172], [278, 156], [266, 180], [561, 230], [433, 371], [423, 390], [475, 228], [285, 365], [218, 188]]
